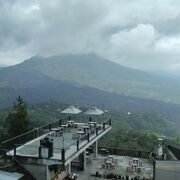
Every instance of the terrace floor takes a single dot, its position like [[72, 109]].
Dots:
[[31, 148], [121, 168]]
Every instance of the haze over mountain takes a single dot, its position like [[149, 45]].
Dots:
[[170, 74], [90, 71], [3, 65]]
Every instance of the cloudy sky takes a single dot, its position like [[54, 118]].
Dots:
[[136, 33]]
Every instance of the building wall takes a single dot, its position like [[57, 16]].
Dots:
[[167, 170], [37, 171], [62, 175], [59, 173], [42, 172]]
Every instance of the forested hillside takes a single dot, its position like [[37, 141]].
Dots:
[[130, 130]]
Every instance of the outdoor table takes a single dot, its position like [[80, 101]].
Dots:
[[133, 168], [128, 169], [71, 122], [99, 126], [91, 126], [63, 125], [111, 156], [140, 163], [92, 123], [104, 151], [136, 161], [80, 132], [108, 163], [75, 125], [56, 130], [86, 128], [75, 136], [138, 170]]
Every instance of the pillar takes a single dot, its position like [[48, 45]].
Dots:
[[82, 160], [69, 168], [47, 173], [84, 155], [96, 149]]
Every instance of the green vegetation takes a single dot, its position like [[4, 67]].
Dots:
[[130, 130], [17, 121], [140, 131], [134, 139]]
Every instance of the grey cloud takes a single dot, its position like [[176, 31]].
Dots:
[[140, 34], [170, 26]]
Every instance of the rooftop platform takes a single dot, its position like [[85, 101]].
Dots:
[[69, 140]]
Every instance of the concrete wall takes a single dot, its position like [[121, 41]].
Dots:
[[60, 174], [167, 170], [38, 171]]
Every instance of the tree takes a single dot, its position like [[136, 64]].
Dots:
[[17, 120]]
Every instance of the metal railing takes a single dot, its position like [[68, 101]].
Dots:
[[30, 135], [22, 149], [14, 143], [86, 138]]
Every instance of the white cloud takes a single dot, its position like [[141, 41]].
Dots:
[[137, 39], [169, 44], [175, 66], [131, 46]]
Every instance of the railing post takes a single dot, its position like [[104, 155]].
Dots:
[[19, 140], [63, 156], [1, 151], [15, 150], [88, 137], [77, 145], [103, 126], [154, 169], [96, 131], [49, 127], [35, 133], [39, 152]]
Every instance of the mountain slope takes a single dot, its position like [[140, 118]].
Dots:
[[92, 71], [89, 71]]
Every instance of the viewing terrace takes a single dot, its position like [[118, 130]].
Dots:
[[68, 138]]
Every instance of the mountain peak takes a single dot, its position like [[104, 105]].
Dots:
[[91, 70]]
